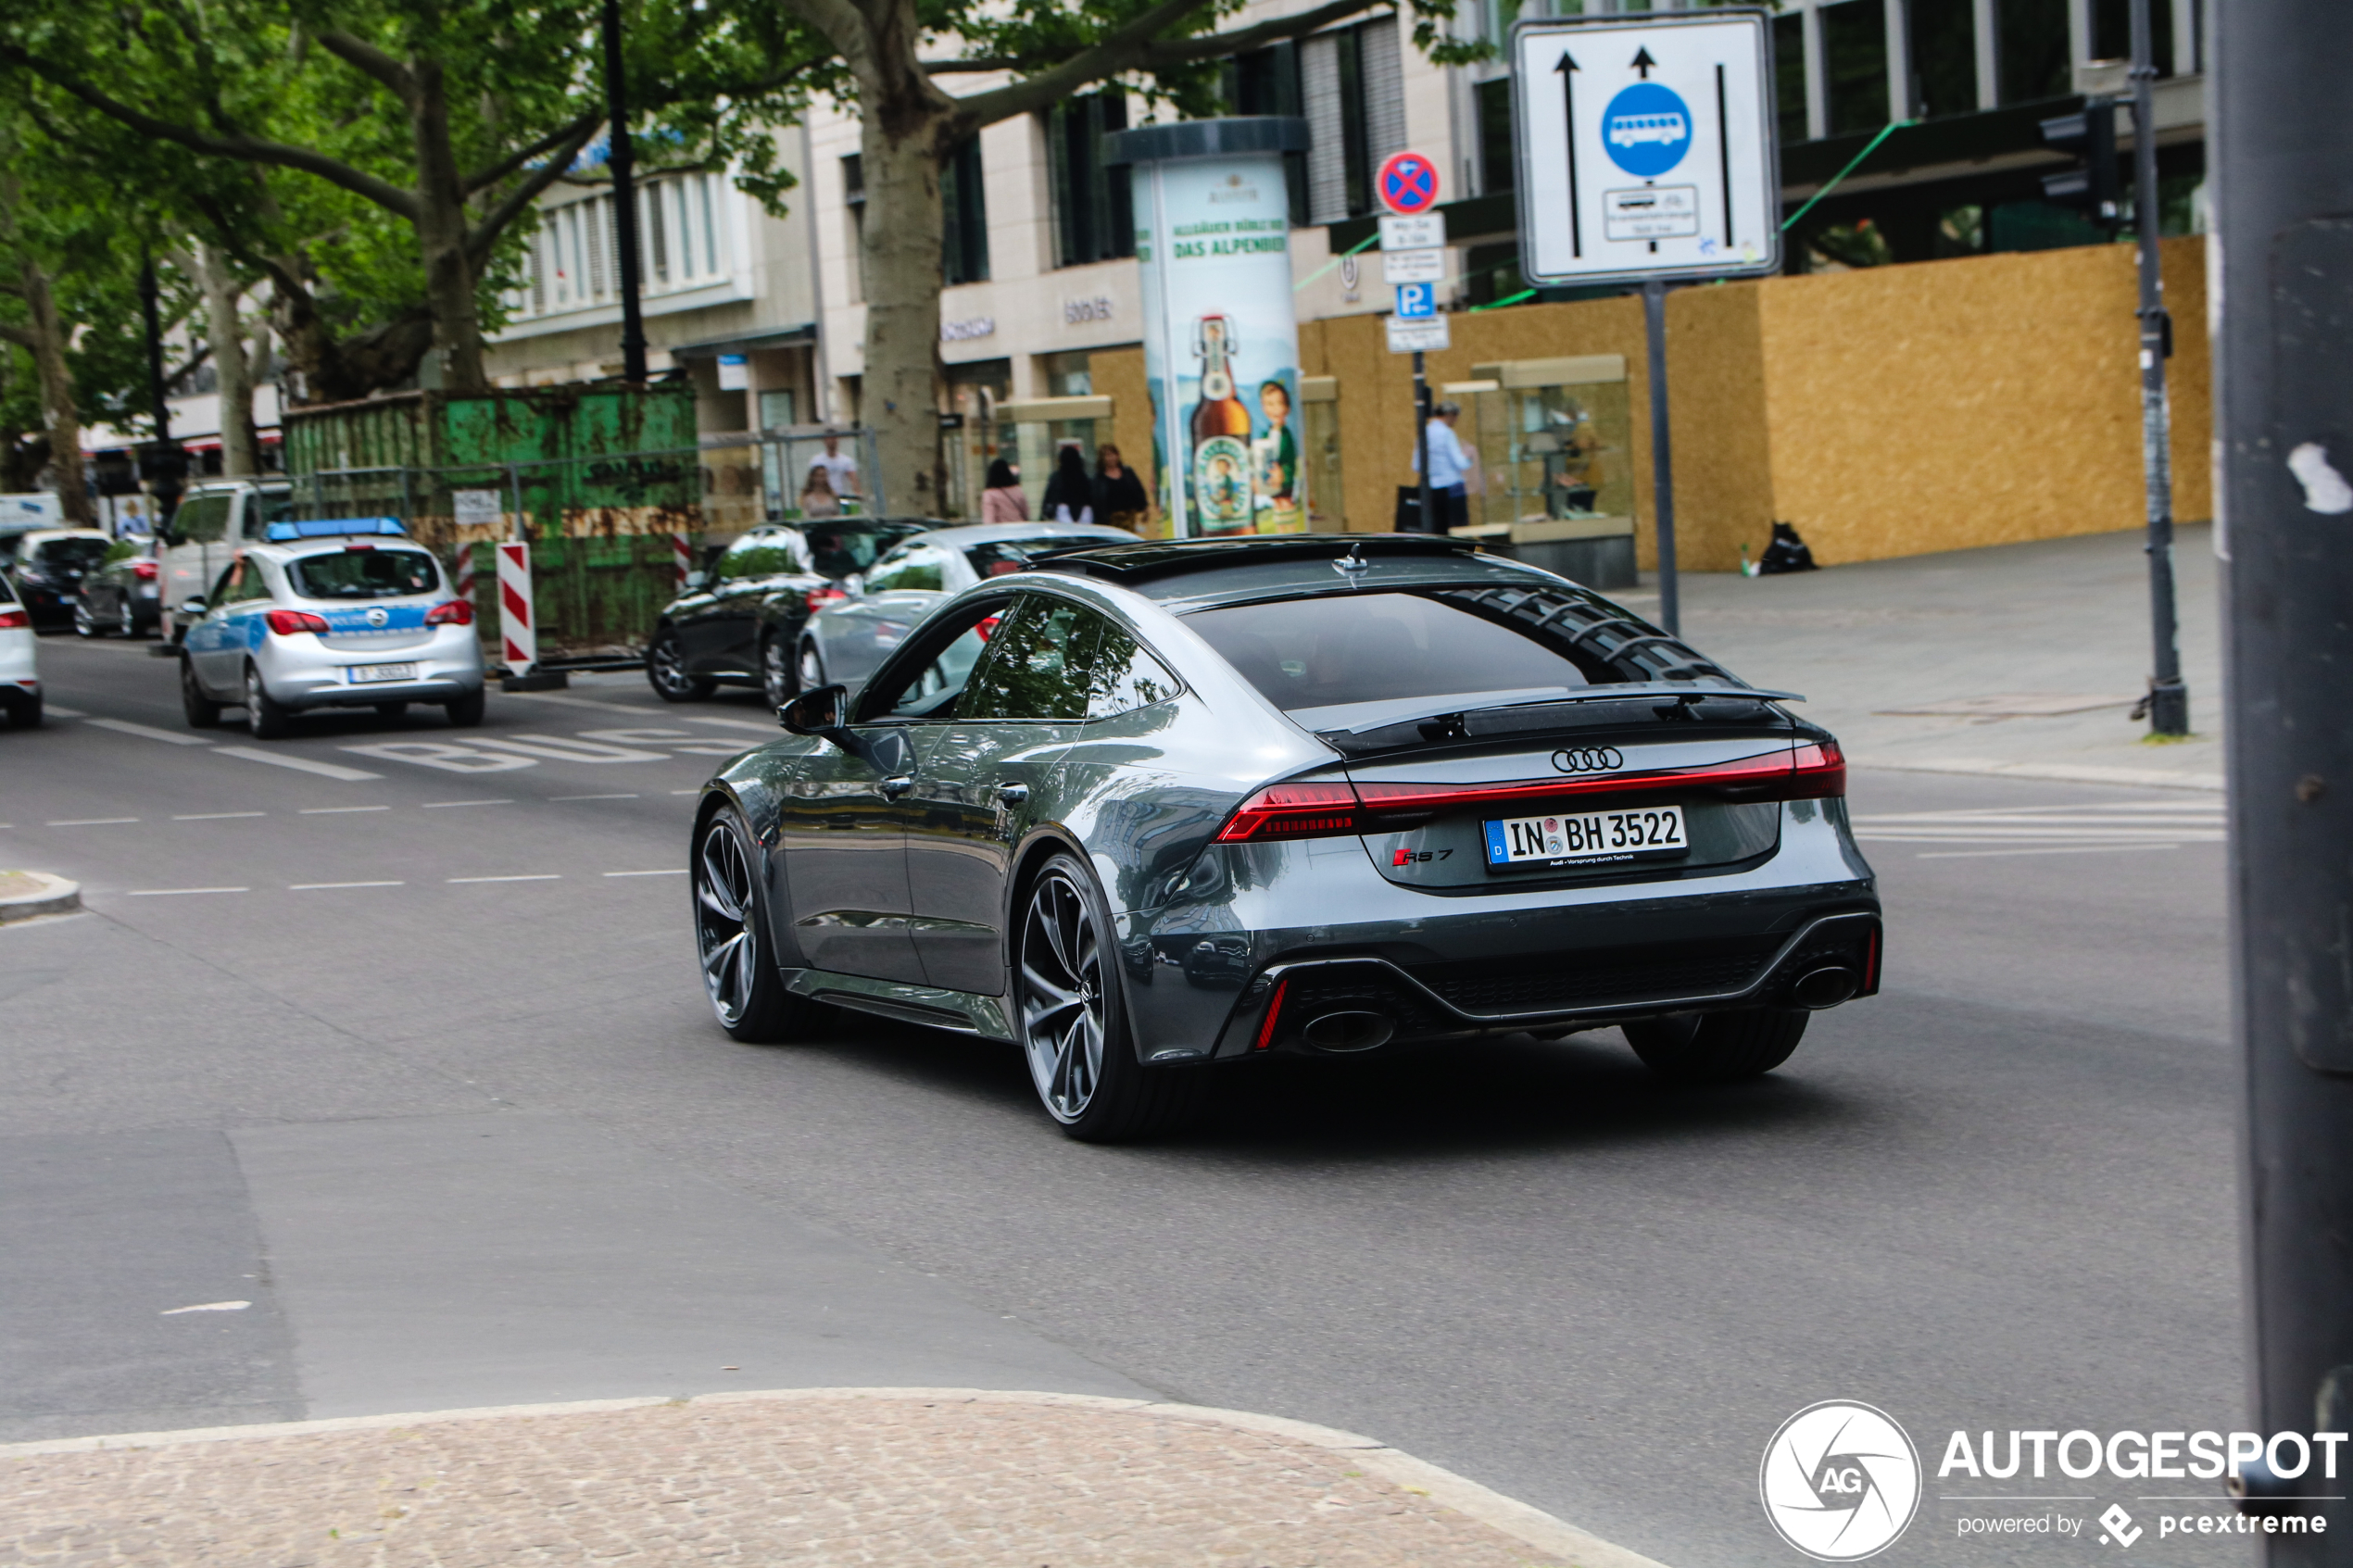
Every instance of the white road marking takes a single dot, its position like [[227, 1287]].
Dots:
[[207, 1307], [666, 871], [585, 702], [216, 816], [685, 792], [2072, 849], [327, 887], [145, 731], [737, 725], [56, 712], [440, 804], [303, 764], [558, 748], [448, 757], [554, 798], [91, 821], [544, 876], [176, 892], [338, 810]]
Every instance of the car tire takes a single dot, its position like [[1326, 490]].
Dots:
[[747, 995], [666, 671], [83, 626], [779, 680], [391, 710], [811, 664], [1716, 1048], [200, 710], [1071, 1017], [25, 712], [266, 719], [127, 624], [465, 712]]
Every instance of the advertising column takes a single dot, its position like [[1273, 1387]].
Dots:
[[1221, 344]]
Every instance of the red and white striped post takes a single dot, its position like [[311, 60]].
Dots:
[[682, 552], [518, 629], [462, 572]]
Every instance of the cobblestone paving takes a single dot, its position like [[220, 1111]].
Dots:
[[896, 1481]]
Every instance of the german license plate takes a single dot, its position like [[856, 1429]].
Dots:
[[1648, 833], [361, 674]]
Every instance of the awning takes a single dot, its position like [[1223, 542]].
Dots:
[[745, 343]]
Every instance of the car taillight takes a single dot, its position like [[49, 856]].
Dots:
[[287, 623], [144, 571], [12, 617], [454, 612], [820, 597], [1312, 810], [1820, 773]]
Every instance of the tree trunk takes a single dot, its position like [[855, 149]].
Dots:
[[441, 235], [321, 369], [907, 128], [240, 445], [56, 398]]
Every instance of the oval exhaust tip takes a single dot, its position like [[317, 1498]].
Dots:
[[1826, 987], [1348, 1031]]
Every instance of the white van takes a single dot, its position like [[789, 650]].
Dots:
[[217, 517]]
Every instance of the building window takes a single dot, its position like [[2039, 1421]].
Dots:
[[657, 232], [2112, 32], [1855, 50], [1789, 76], [1094, 219], [853, 199], [1353, 85], [965, 213], [1266, 81], [2032, 44], [1493, 101], [1944, 41]]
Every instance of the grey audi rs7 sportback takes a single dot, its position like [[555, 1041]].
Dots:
[[1150, 808]]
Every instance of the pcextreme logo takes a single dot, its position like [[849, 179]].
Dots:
[[1841, 1481]]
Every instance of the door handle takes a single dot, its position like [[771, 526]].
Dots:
[[1013, 794], [893, 788]]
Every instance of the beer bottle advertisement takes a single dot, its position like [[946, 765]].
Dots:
[[1221, 344]]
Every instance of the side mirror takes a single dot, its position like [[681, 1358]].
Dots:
[[823, 712], [696, 582], [193, 604]]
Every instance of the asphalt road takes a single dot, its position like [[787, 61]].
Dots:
[[404, 1049]]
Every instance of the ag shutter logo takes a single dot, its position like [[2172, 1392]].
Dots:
[[1841, 1481], [1589, 759]]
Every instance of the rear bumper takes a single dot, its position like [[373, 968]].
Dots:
[[448, 667]]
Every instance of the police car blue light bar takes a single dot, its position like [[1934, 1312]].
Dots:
[[331, 528]]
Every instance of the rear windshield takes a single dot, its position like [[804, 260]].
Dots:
[[363, 574], [1374, 648], [70, 552]]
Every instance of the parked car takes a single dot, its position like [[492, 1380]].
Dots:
[[847, 637], [1167, 806], [340, 613], [124, 594], [739, 620], [215, 520], [49, 570], [20, 662]]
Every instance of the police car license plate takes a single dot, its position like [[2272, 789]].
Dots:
[[361, 674], [1651, 833]]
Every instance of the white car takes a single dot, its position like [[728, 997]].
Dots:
[[20, 661], [345, 613], [846, 639], [217, 517]]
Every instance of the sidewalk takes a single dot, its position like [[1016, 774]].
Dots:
[[942, 1478], [2018, 660]]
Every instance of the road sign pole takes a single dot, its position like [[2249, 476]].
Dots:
[[1670, 614], [2169, 701], [2282, 178], [1427, 522]]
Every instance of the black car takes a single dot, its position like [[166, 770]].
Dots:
[[49, 568], [121, 595], [739, 620]]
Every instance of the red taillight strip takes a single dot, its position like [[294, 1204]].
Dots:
[[1274, 1012], [1324, 809]]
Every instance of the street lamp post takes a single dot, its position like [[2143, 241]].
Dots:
[[2168, 698], [622, 161]]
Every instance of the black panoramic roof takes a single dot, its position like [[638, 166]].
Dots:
[[1169, 557]]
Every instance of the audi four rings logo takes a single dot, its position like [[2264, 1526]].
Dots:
[[1589, 759]]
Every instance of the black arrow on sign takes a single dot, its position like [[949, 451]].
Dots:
[[1567, 68], [1643, 63]]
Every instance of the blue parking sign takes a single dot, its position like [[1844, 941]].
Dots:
[[1416, 301]]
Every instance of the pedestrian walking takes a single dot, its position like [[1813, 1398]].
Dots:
[[1449, 465], [1070, 494], [1005, 500], [1120, 501]]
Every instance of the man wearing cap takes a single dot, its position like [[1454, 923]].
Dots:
[[1448, 465]]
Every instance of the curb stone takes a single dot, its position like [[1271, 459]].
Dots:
[[28, 895], [1531, 1525]]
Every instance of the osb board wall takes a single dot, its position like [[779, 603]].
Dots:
[[1955, 404], [1886, 411], [1118, 374]]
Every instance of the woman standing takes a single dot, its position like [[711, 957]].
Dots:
[[1070, 494], [817, 497], [1005, 500], [1119, 494]]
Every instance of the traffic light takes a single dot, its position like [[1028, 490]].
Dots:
[[2090, 186]]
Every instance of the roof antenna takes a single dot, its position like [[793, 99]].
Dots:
[[1353, 562]]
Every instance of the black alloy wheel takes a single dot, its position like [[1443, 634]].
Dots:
[[777, 677], [200, 710], [747, 995], [1716, 1048], [1074, 1028], [85, 624], [811, 665], [666, 671]]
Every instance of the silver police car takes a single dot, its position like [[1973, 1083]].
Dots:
[[345, 613]]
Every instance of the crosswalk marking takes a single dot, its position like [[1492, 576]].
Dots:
[[2116, 826]]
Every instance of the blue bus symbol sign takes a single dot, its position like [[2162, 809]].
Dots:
[[1647, 130], [1416, 301]]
